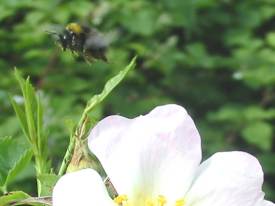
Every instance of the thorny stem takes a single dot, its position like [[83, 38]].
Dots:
[[79, 134], [68, 156]]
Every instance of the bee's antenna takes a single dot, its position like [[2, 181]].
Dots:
[[52, 32]]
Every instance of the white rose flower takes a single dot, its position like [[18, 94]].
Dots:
[[154, 160]]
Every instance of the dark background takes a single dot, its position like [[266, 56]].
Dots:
[[215, 58]]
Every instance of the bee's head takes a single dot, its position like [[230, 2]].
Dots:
[[62, 38], [63, 41]]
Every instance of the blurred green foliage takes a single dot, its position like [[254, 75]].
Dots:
[[216, 58]]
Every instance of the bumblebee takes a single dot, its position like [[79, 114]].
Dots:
[[83, 41]]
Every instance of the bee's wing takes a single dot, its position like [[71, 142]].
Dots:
[[96, 45], [95, 41], [54, 31]]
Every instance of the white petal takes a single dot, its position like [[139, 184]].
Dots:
[[81, 188], [266, 203], [149, 155], [227, 179]]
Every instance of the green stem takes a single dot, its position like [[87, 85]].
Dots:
[[4, 189], [68, 156], [69, 152], [38, 173], [41, 168]]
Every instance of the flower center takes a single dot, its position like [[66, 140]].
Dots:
[[122, 200]]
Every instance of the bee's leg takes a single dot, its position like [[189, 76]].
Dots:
[[74, 54], [73, 40], [63, 48], [88, 61]]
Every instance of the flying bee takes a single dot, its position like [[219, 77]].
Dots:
[[83, 41]]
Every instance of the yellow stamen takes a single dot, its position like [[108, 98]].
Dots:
[[180, 202], [161, 200], [149, 203], [120, 199]]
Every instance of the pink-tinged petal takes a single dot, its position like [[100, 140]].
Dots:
[[81, 188], [149, 155], [227, 179]]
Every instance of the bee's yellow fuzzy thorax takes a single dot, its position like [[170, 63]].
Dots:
[[76, 28]]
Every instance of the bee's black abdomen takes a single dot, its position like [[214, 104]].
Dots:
[[97, 54], [96, 46]]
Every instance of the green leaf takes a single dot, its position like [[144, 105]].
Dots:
[[270, 38], [20, 80], [22, 198], [14, 156], [258, 134], [29, 109], [19, 166], [42, 139], [109, 86], [253, 113], [12, 197], [35, 201], [47, 183], [21, 116], [143, 22], [267, 160], [31, 119], [227, 113]]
